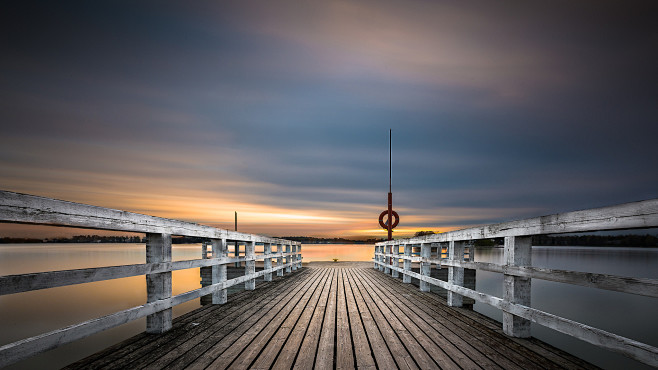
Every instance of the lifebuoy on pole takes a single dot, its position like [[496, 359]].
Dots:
[[384, 224]]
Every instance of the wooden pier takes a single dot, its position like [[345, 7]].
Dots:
[[342, 315], [329, 315]]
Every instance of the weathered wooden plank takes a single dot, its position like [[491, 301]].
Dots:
[[384, 354], [19, 350], [306, 330], [221, 334], [326, 345], [251, 329], [639, 286], [446, 346], [31, 209], [344, 349], [167, 347], [461, 343], [635, 215], [185, 349], [407, 348], [628, 347], [158, 285], [309, 346], [363, 357], [286, 339], [492, 344], [11, 284]]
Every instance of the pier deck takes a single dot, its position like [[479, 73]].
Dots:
[[333, 315]]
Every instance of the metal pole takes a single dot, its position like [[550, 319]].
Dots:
[[390, 195]]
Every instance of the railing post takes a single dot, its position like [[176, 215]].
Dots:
[[237, 252], [158, 285], [395, 261], [250, 264], [425, 267], [518, 252], [299, 256], [206, 275], [294, 257], [288, 269], [267, 247], [407, 264], [219, 250], [387, 260], [455, 274], [279, 259]]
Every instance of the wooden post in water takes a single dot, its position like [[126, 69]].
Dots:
[[455, 274], [158, 285], [518, 252], [425, 267], [279, 260], [395, 260], [267, 247], [250, 265], [219, 250]]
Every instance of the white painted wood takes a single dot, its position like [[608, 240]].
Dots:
[[293, 257], [279, 259], [518, 252], [250, 265], [639, 286], [14, 352], [425, 267], [31, 209], [158, 285], [455, 274], [219, 275], [636, 215], [406, 278], [268, 261], [287, 253], [395, 260]]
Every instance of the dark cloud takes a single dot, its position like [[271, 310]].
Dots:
[[499, 110]]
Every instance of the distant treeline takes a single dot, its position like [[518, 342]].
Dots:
[[313, 240], [645, 241], [99, 239]]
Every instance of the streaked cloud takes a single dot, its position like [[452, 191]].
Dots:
[[281, 111]]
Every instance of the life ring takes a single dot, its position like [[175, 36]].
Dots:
[[395, 217]]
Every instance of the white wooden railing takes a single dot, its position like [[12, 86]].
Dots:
[[29, 209], [518, 271]]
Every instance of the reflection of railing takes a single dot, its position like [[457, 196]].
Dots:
[[29, 209], [518, 271]]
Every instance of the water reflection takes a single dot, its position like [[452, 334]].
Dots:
[[27, 314], [624, 314]]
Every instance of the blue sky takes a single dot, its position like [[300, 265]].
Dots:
[[281, 110]]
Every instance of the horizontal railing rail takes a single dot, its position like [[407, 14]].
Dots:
[[30, 209], [518, 270]]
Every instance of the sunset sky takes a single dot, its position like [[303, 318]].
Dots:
[[280, 110]]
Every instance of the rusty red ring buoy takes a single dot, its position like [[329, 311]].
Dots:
[[395, 216]]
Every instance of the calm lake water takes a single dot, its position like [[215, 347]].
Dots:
[[32, 313], [27, 314]]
